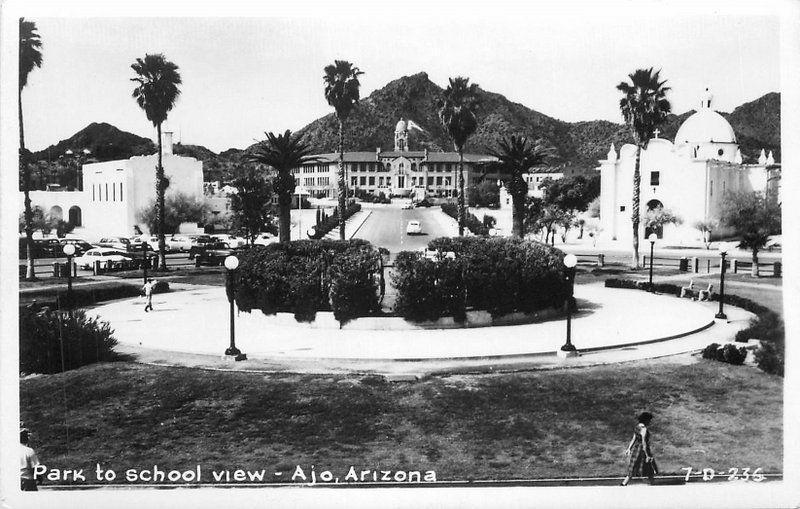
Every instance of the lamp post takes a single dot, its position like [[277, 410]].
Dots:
[[568, 349], [145, 263], [69, 250], [652, 238], [720, 314], [231, 263]]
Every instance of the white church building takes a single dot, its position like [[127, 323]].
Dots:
[[688, 176], [113, 193]]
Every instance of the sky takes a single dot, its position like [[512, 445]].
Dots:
[[245, 76]]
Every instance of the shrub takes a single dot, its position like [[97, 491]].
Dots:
[[471, 221], [769, 357], [499, 275], [710, 352], [329, 223], [305, 276], [734, 355], [42, 333], [90, 295], [424, 203], [665, 288]]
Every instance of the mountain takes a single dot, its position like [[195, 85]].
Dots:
[[372, 124], [104, 140]]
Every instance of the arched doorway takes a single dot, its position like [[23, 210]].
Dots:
[[56, 212], [75, 215], [658, 230]]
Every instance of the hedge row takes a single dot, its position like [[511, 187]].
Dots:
[[471, 221], [332, 222], [88, 296], [729, 353], [499, 275], [306, 276], [44, 334], [767, 326]]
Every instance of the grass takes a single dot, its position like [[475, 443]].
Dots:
[[512, 426]]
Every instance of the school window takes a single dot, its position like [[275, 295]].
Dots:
[[120, 191], [654, 177], [711, 189], [106, 191], [362, 181], [372, 181], [114, 191], [622, 208], [438, 181], [93, 197], [430, 181]]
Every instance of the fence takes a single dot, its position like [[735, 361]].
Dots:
[[682, 263]]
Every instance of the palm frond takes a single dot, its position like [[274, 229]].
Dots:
[[157, 86], [30, 54]]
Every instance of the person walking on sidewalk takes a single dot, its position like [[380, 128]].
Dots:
[[148, 294], [28, 461], [640, 457]]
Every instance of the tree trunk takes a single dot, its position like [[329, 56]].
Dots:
[[518, 215], [637, 179], [284, 216], [754, 268], [160, 191], [462, 209], [342, 182], [30, 272]]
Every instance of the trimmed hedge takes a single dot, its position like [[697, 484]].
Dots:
[[89, 295], [306, 276], [471, 221], [41, 331], [331, 222], [728, 353], [767, 326], [499, 275]]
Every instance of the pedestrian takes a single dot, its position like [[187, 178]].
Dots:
[[640, 457], [28, 461], [148, 294]]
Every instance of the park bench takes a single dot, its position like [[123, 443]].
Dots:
[[695, 293], [592, 259]]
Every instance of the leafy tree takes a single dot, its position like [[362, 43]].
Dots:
[[550, 219], [156, 93], [644, 107], [37, 221], [517, 155], [485, 194], [655, 219], [705, 228], [458, 113], [594, 208], [178, 208], [251, 208], [754, 217], [282, 153], [30, 57], [571, 193], [342, 93]]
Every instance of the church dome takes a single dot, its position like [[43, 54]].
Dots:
[[706, 125], [401, 126]]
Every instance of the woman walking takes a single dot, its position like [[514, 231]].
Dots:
[[640, 462]]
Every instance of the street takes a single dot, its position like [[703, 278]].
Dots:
[[386, 227]]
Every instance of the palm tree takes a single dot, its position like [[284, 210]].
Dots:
[[30, 57], [342, 92], [457, 111], [156, 93], [283, 152], [516, 155], [644, 106]]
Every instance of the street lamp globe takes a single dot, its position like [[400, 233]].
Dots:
[[652, 237], [68, 152], [69, 250], [231, 262], [723, 251], [86, 151], [570, 260]]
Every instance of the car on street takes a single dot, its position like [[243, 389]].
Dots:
[[414, 228], [264, 239], [231, 240], [42, 248], [119, 243], [408, 206], [180, 243], [150, 240], [100, 254], [81, 246], [199, 242], [214, 254]]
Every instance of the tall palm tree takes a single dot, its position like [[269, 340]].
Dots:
[[458, 112], [516, 155], [342, 92], [282, 153], [644, 106], [156, 93], [30, 57]]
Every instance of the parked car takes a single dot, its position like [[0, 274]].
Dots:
[[120, 243], [414, 228], [81, 246], [264, 239], [231, 240], [42, 248], [100, 254], [150, 240], [198, 243], [214, 253], [180, 243]]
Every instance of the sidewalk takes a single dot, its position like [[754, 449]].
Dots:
[[351, 225]]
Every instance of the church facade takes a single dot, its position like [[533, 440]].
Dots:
[[688, 176], [400, 172]]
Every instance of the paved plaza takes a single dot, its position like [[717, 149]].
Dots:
[[614, 325]]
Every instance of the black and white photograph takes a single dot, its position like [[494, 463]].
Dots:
[[399, 255]]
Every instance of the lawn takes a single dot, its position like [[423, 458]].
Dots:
[[563, 423]]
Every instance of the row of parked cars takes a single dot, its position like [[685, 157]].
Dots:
[[120, 249]]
